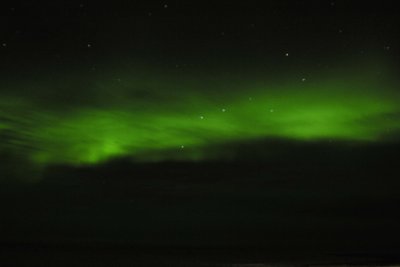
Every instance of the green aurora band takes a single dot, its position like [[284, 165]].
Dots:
[[174, 122]]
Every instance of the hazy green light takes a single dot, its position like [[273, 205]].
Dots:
[[179, 120]]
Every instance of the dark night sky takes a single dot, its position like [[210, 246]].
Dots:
[[272, 126]]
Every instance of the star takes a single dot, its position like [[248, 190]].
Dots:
[[223, 110], [182, 146], [287, 54], [303, 80], [271, 110], [4, 44], [165, 6], [201, 117], [89, 45]]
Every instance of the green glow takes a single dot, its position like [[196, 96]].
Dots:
[[181, 118]]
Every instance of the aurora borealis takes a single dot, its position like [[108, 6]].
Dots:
[[183, 118], [191, 133]]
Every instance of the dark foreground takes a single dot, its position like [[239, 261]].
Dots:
[[78, 255], [312, 205]]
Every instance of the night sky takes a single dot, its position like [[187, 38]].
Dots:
[[269, 127]]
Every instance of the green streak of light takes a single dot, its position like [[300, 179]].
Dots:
[[180, 121]]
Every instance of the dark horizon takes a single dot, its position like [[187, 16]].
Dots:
[[322, 209]]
